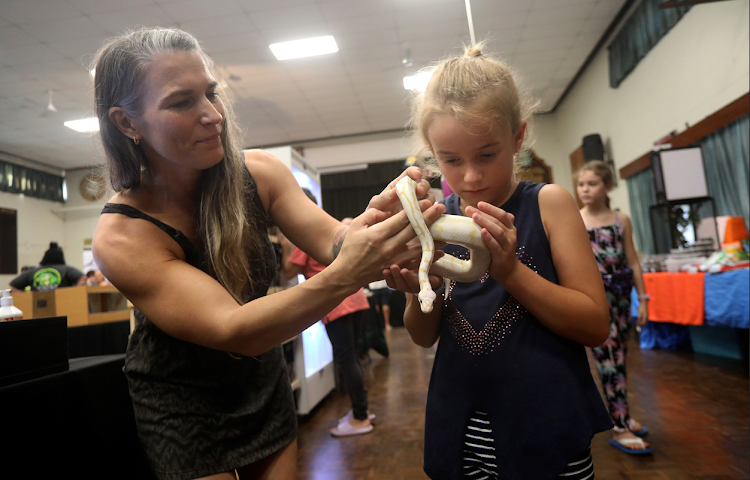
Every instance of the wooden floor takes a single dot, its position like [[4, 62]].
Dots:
[[695, 407]]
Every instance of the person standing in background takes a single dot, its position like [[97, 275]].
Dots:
[[342, 325], [381, 295], [611, 237]]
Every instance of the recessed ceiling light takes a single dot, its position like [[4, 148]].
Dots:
[[304, 48], [84, 124], [417, 82]]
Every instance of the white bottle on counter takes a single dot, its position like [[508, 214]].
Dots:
[[7, 311]]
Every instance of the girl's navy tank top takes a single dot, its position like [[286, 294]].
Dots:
[[494, 356]]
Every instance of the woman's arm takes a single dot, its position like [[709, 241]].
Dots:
[[149, 268], [577, 308], [635, 264], [310, 228]]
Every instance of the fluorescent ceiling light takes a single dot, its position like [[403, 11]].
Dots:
[[417, 82], [84, 124], [304, 48]]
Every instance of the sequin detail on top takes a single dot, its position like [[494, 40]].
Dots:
[[495, 330]]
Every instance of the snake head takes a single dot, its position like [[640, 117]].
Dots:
[[426, 299]]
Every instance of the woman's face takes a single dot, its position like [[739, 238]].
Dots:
[[181, 120], [591, 188], [475, 158]]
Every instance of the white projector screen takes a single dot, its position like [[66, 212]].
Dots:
[[684, 176]]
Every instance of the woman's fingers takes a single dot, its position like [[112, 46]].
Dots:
[[430, 215]]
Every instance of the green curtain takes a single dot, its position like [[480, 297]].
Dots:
[[726, 155], [33, 183], [642, 196], [640, 33]]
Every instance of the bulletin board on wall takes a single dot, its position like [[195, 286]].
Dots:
[[537, 170]]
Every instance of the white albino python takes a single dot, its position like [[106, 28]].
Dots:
[[453, 229]]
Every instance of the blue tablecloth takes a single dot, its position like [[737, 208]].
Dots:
[[727, 301]]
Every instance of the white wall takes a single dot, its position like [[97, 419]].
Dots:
[[701, 65], [41, 221], [37, 226]]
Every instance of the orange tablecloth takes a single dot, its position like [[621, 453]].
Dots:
[[675, 297]]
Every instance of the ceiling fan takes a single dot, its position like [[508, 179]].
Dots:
[[407, 60], [50, 106]]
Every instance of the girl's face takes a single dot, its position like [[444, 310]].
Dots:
[[476, 160], [182, 114], [591, 189]]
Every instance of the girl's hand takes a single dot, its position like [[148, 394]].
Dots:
[[642, 314], [376, 240], [387, 200], [499, 233], [407, 280]]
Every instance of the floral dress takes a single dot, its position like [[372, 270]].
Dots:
[[607, 243]]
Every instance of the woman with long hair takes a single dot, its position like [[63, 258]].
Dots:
[[185, 239]]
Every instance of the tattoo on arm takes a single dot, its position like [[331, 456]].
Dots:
[[338, 241]]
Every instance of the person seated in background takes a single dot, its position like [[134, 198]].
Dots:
[[50, 274], [95, 278]]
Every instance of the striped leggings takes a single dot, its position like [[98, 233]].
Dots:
[[480, 462]]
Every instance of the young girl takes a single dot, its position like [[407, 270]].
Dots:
[[511, 394], [611, 239]]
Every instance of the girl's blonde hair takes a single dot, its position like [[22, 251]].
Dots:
[[228, 219], [600, 169], [473, 86]]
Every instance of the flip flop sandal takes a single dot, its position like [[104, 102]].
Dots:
[[347, 430], [641, 433], [622, 445]]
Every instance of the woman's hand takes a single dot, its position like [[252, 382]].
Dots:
[[376, 240], [387, 200], [642, 313], [406, 279], [499, 233]]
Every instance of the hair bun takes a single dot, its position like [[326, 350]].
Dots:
[[473, 52], [53, 245]]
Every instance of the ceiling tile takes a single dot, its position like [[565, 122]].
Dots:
[[338, 9], [187, 10], [13, 37], [26, 55], [80, 50], [118, 22], [24, 11], [66, 28], [104, 6], [447, 13], [249, 40], [208, 28], [260, 5], [287, 17]]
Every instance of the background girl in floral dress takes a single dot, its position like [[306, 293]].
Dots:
[[611, 238]]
